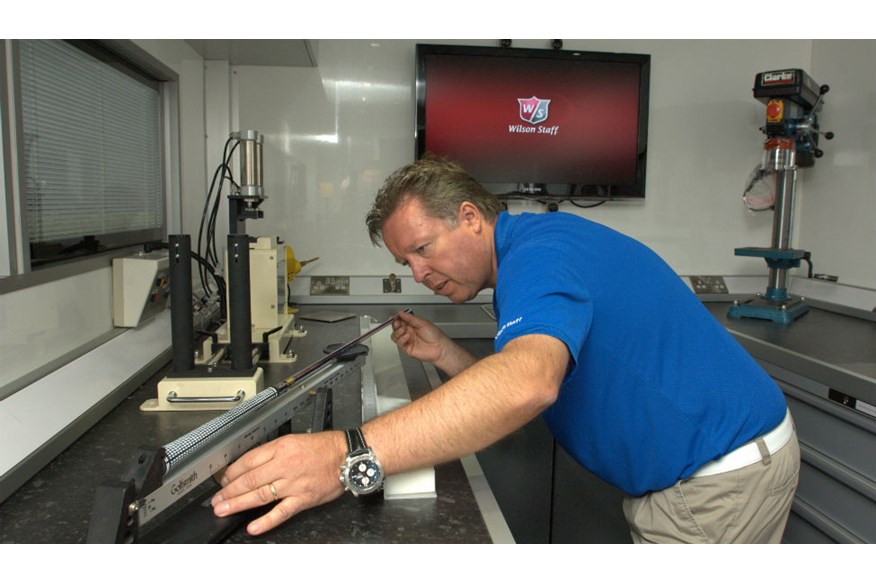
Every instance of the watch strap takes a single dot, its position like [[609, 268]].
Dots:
[[355, 441]]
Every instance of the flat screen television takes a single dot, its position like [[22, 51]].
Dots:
[[538, 123]]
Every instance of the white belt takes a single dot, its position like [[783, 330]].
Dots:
[[749, 453]]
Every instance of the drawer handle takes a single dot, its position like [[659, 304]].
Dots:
[[173, 398]]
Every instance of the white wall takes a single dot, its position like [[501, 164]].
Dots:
[[838, 207], [334, 132], [4, 239]]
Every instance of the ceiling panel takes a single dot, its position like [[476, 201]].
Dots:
[[267, 52]]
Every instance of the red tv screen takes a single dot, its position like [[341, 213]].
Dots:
[[558, 123]]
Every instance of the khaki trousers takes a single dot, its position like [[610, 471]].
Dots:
[[746, 505]]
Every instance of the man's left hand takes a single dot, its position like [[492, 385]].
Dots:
[[297, 472]]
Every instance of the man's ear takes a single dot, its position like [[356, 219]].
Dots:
[[470, 216]]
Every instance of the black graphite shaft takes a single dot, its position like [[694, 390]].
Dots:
[[334, 354], [185, 446]]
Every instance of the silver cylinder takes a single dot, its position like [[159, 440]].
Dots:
[[783, 215], [782, 158], [251, 173]]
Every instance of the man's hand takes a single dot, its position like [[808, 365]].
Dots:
[[298, 471], [418, 338], [422, 340]]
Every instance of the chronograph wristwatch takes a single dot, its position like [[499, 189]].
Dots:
[[361, 472]]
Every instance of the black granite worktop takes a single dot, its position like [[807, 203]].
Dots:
[[56, 505]]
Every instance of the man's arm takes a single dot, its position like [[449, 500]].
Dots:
[[474, 409], [480, 405]]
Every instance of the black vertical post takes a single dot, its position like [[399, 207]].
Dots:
[[235, 213], [182, 328], [239, 312]]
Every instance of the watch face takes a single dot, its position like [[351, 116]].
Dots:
[[365, 475]]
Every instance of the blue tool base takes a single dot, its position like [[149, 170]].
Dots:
[[784, 313]]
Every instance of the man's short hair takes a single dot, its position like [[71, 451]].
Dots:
[[441, 186]]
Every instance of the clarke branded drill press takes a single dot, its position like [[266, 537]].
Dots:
[[792, 100]]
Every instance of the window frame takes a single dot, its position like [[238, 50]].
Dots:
[[135, 62]]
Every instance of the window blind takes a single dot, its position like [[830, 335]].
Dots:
[[91, 149]]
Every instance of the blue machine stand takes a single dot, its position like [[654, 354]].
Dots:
[[759, 307], [776, 304]]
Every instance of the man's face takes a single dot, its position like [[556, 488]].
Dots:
[[453, 262]]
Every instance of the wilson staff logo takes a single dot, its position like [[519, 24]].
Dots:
[[534, 110]]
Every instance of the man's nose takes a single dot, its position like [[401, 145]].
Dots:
[[419, 270]]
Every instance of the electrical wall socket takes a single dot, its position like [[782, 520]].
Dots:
[[708, 284], [330, 285]]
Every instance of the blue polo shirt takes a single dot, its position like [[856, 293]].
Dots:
[[656, 386]]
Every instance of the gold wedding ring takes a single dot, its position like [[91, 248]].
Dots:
[[274, 492]]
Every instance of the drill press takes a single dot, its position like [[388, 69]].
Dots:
[[792, 100]]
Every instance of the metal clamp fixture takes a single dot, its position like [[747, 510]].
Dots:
[[161, 480]]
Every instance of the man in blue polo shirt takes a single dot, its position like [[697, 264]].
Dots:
[[654, 396], [634, 377]]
